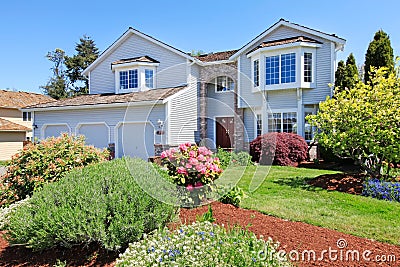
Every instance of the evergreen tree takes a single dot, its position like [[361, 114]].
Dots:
[[351, 77], [339, 76], [86, 53], [57, 86], [379, 54]]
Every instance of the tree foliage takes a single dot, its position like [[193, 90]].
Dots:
[[363, 122], [86, 53], [346, 75], [379, 54], [57, 86]]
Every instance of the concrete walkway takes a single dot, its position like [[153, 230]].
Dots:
[[2, 170]]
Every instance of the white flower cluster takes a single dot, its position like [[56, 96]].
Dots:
[[199, 244], [5, 212]]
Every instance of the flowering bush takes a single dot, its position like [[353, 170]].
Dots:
[[191, 166], [38, 164], [382, 190], [202, 244], [285, 149]]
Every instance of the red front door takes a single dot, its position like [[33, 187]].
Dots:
[[225, 129]]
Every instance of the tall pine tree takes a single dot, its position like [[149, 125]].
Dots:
[[346, 75], [86, 53], [379, 54], [340, 75], [57, 86]]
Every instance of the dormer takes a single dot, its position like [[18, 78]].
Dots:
[[135, 74]]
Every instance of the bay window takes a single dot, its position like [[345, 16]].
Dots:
[[288, 68], [256, 72], [272, 70], [149, 77], [307, 67]]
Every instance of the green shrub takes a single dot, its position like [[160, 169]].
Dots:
[[202, 244], [228, 158], [48, 161], [234, 196], [100, 203], [206, 216]]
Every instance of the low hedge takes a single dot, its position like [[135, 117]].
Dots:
[[101, 203]]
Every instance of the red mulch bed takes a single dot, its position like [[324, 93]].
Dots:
[[342, 182]]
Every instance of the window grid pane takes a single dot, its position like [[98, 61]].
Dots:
[[224, 83], [288, 68], [289, 122], [274, 122], [272, 70], [308, 129], [149, 78], [133, 79], [256, 72], [259, 124], [307, 67], [123, 80]]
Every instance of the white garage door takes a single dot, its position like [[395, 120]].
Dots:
[[95, 134], [55, 130], [135, 140]]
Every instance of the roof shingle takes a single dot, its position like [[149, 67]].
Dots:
[[11, 99], [6, 125], [289, 40], [96, 99], [217, 56], [145, 59]]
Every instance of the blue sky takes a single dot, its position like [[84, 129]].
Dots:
[[29, 29]]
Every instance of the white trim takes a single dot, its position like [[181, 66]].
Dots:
[[333, 67], [133, 65], [227, 61], [167, 119], [334, 39], [118, 125], [258, 111], [112, 105], [79, 125], [284, 46], [44, 126], [239, 96], [127, 34]]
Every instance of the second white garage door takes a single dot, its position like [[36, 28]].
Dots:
[[135, 139], [96, 134]]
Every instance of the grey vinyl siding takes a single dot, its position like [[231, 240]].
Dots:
[[170, 72], [249, 123], [282, 99], [182, 116], [111, 116], [323, 71]]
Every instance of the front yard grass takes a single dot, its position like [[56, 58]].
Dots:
[[285, 194]]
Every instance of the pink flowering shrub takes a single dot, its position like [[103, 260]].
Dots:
[[46, 162], [191, 166]]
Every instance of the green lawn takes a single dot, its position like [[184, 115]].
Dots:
[[3, 162], [285, 194]]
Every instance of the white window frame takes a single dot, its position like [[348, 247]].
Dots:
[[141, 68], [257, 114], [226, 80], [281, 112], [28, 116], [253, 72]]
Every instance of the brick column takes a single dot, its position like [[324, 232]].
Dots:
[[239, 125], [203, 111]]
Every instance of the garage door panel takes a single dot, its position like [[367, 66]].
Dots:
[[55, 130], [136, 140], [95, 134]]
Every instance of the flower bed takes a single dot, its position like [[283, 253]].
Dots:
[[382, 190], [202, 244]]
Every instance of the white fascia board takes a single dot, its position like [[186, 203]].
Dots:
[[284, 46], [218, 62], [334, 39], [134, 64], [113, 105], [129, 32]]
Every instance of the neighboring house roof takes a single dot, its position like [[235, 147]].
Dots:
[[290, 40], [6, 125], [11, 99], [282, 22], [146, 59], [217, 56], [123, 37], [99, 99]]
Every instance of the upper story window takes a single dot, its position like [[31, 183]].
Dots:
[[27, 116], [280, 68], [224, 84], [307, 67], [288, 68], [135, 74], [256, 72], [272, 70], [149, 77]]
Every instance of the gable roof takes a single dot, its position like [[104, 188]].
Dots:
[[145, 59], [289, 40], [331, 37], [11, 99], [6, 125], [108, 99], [217, 56], [124, 36]]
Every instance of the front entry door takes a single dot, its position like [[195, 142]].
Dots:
[[225, 129]]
